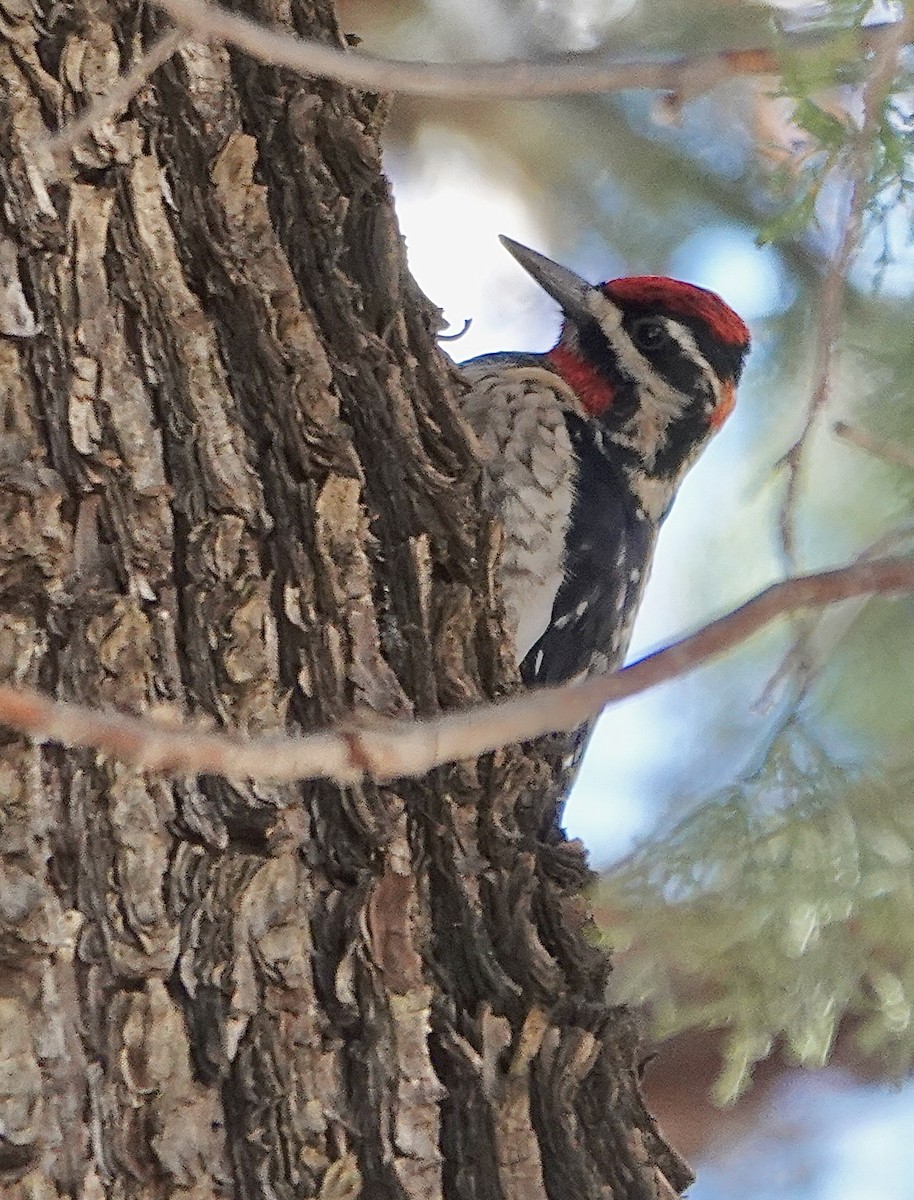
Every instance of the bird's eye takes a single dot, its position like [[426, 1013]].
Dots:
[[649, 333]]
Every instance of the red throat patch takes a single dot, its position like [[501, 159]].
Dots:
[[684, 299], [594, 391]]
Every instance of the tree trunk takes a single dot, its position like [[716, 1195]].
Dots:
[[234, 489]]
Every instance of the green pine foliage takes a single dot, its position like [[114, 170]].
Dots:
[[775, 910], [831, 138]]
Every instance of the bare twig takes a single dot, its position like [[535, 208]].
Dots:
[[831, 297], [400, 748], [810, 650], [898, 456], [113, 102], [797, 663], [477, 80]]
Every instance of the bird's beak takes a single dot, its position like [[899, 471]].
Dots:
[[725, 404], [569, 291]]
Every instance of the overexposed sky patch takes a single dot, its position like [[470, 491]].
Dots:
[[452, 211], [726, 259]]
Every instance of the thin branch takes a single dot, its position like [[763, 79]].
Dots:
[[831, 297], [400, 748], [797, 664], [898, 456], [806, 654], [478, 80], [114, 101]]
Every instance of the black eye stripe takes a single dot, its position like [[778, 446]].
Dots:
[[598, 351], [726, 360], [649, 333], [675, 363], [669, 361]]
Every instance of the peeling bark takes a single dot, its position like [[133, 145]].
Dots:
[[233, 487]]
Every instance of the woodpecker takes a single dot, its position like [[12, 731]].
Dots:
[[584, 448]]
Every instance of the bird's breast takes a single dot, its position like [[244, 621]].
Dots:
[[518, 418]]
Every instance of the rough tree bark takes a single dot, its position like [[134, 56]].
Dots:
[[233, 486]]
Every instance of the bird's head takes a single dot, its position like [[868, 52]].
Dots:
[[654, 360]]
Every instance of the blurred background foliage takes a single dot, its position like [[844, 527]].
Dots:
[[754, 820]]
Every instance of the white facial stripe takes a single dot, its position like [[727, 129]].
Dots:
[[685, 339], [658, 395]]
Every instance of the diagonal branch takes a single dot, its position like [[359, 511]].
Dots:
[[400, 748], [889, 452], [477, 80]]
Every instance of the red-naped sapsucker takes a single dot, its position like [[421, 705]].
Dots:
[[585, 447]]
